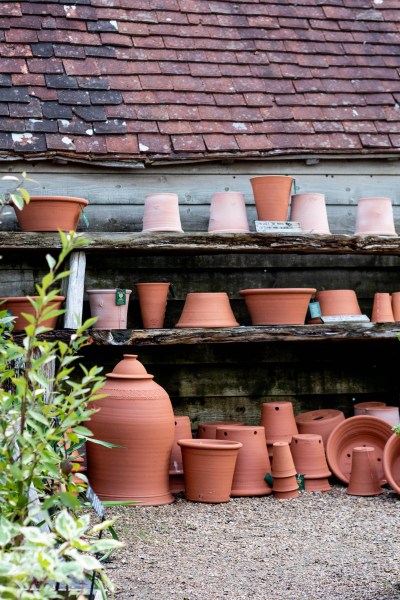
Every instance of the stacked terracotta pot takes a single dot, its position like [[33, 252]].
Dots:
[[279, 423], [285, 484]]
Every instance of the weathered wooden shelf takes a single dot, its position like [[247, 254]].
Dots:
[[208, 243], [233, 335]]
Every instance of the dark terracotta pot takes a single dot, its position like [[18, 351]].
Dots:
[[20, 304], [277, 306], [137, 415], [51, 213]]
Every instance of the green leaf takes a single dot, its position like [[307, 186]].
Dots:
[[51, 261], [65, 525], [69, 500]]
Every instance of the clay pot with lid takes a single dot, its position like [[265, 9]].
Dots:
[[309, 209], [153, 303], [252, 463], [161, 213], [207, 309], [50, 213], [208, 429], [137, 416], [364, 479], [374, 216], [103, 305], [361, 407], [17, 305], [319, 422], [228, 213], [272, 196], [277, 306]]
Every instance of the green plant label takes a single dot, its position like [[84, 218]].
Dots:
[[315, 309], [269, 479], [85, 219], [300, 481], [120, 297]]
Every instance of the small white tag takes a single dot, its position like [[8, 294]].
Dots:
[[277, 227], [346, 318]]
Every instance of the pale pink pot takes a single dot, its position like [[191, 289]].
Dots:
[[103, 305], [374, 216], [310, 211], [161, 213], [228, 213], [390, 414], [361, 407], [382, 308]]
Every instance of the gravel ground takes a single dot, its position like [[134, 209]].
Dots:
[[319, 546]]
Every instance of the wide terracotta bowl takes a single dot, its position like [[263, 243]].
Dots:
[[356, 431], [391, 462], [20, 305], [51, 213], [277, 306]]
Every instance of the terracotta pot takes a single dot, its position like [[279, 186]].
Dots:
[[282, 461], [391, 462], [285, 484], [361, 407], [207, 309], [356, 431], [396, 305], [338, 302], [309, 456], [364, 480], [228, 213], [183, 429], [17, 305], [208, 429], [137, 415], [317, 485], [374, 216], [103, 305], [278, 420], [310, 211], [286, 495], [50, 213], [161, 213], [252, 463], [272, 196], [277, 306], [153, 303], [382, 308], [208, 467], [390, 414], [320, 422]]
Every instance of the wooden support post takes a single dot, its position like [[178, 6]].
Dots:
[[75, 289]]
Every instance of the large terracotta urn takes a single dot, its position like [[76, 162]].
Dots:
[[137, 416]]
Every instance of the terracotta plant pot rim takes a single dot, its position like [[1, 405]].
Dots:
[[277, 291], [108, 291], [198, 443], [24, 298], [82, 201]]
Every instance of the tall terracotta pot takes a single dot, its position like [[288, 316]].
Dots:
[[228, 213], [310, 211], [17, 305], [153, 303], [51, 213], [137, 416], [277, 306], [272, 196], [208, 467], [161, 213], [103, 305]]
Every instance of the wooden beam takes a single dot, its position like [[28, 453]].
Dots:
[[75, 290]]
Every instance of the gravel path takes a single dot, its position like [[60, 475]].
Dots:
[[327, 546]]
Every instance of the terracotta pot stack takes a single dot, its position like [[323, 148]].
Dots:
[[279, 423], [310, 461], [283, 472]]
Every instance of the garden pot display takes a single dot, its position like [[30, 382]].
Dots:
[[153, 303], [207, 309], [161, 213], [208, 467], [374, 216], [310, 211], [103, 304], [183, 430], [320, 422], [252, 463], [364, 480], [391, 462], [50, 213], [338, 302], [208, 429], [361, 407], [382, 308], [136, 415], [309, 456], [272, 196], [228, 213], [353, 432], [17, 305], [279, 423], [277, 306], [390, 414]]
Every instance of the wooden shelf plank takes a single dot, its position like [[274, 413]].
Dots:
[[207, 243]]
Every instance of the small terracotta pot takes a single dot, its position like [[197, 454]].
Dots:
[[309, 456], [356, 431], [252, 462], [382, 308], [161, 213], [285, 484], [103, 305], [320, 422], [396, 305], [278, 420], [310, 211], [153, 303], [374, 216], [208, 467], [282, 461], [208, 429], [338, 302], [50, 213], [207, 309], [390, 414], [17, 305], [361, 407], [364, 480], [183, 429], [317, 485], [272, 196], [277, 306], [228, 213], [391, 462]]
